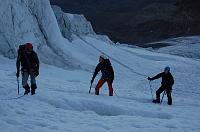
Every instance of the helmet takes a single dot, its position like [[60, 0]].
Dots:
[[103, 57], [29, 46], [167, 69]]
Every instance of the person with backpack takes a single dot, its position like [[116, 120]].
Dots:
[[166, 85], [106, 69], [29, 62]]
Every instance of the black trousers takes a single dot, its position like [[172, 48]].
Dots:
[[168, 92]]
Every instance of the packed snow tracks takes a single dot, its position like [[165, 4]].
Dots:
[[102, 108]]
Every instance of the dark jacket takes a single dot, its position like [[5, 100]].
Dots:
[[27, 61], [106, 69], [167, 79]]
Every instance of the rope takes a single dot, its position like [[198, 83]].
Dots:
[[132, 70], [19, 96], [13, 98]]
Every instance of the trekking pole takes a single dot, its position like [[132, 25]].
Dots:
[[18, 85], [162, 97], [90, 87], [150, 86]]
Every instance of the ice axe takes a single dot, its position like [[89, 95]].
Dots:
[[90, 87], [18, 85]]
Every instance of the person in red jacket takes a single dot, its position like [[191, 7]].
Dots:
[[166, 84], [107, 74], [29, 66]]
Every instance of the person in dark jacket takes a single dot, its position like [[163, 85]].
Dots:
[[166, 85], [107, 74], [29, 66]]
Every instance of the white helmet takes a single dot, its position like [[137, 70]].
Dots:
[[103, 57]]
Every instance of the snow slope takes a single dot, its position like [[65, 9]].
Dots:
[[62, 102], [182, 46]]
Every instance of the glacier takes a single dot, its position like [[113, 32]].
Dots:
[[69, 49], [50, 31]]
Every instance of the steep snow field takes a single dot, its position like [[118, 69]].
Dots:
[[62, 102]]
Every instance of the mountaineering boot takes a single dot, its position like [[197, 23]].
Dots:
[[156, 101], [110, 93], [32, 92], [27, 89], [26, 92], [96, 92], [33, 88], [169, 103]]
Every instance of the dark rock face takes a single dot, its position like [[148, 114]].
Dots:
[[138, 21]]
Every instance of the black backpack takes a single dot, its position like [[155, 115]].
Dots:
[[107, 63], [21, 50]]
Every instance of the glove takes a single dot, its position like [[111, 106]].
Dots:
[[36, 72], [17, 74], [149, 78]]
